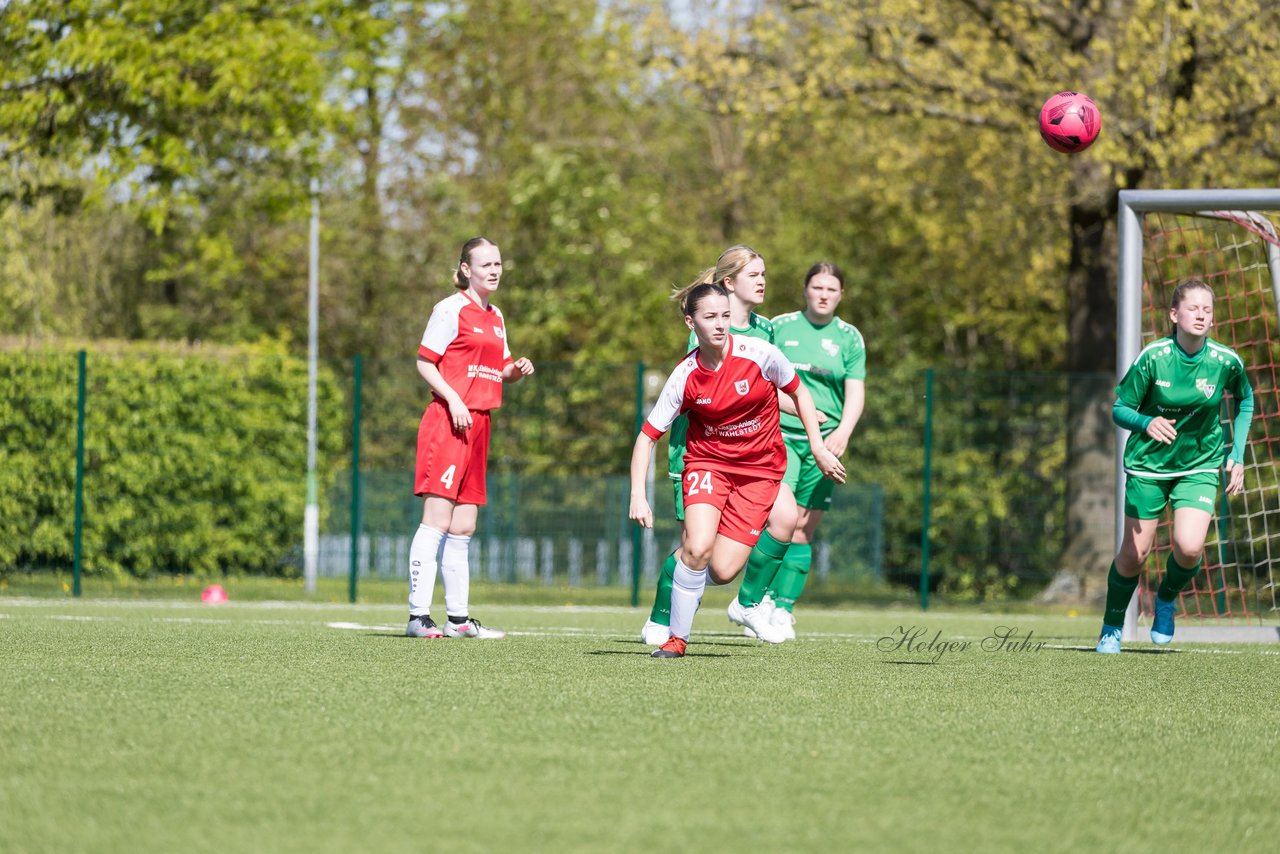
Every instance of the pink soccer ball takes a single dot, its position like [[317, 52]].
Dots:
[[214, 594], [1069, 122]]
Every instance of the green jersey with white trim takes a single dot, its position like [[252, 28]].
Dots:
[[1165, 381], [758, 326], [824, 357]]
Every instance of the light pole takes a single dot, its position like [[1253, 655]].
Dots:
[[311, 518]]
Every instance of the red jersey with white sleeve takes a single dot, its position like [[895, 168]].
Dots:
[[468, 343], [733, 411]]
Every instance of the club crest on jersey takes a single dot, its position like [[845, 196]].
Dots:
[[497, 330], [831, 347], [1206, 387], [741, 386]]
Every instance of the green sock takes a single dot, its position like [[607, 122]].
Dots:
[[788, 584], [1176, 578], [661, 613], [762, 566], [1119, 592]]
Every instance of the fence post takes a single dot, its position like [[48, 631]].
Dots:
[[77, 546], [928, 477], [637, 533], [356, 521]]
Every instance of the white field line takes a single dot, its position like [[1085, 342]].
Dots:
[[575, 631], [35, 601], [902, 616], [626, 610], [209, 621], [587, 633], [532, 631]]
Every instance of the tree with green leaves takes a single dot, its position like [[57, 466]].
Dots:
[[1187, 100], [173, 111]]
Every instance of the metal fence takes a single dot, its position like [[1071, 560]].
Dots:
[[960, 475], [957, 483], [529, 532]]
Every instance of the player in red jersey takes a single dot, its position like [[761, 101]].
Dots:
[[734, 457], [465, 360]]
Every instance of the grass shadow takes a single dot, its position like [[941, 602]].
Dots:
[[646, 654], [699, 643], [1093, 651]]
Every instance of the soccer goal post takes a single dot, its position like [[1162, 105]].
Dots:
[[1223, 238]]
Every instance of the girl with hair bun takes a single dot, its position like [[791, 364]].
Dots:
[[464, 359]]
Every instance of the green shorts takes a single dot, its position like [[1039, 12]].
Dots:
[[678, 485], [811, 489], [1146, 497]]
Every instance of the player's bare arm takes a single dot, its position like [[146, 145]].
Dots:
[[459, 415], [854, 398], [828, 463], [640, 511], [1235, 477], [517, 370], [1162, 430]]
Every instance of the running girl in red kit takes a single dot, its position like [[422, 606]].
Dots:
[[464, 358], [734, 457]]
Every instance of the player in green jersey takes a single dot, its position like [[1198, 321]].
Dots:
[[830, 358], [1170, 399], [742, 272]]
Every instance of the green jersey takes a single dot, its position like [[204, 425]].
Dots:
[[757, 326], [824, 356], [1166, 381]]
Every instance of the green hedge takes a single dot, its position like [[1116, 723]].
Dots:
[[195, 458]]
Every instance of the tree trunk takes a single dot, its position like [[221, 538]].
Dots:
[[1091, 493], [1091, 347]]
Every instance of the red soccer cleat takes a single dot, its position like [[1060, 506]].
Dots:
[[673, 648]]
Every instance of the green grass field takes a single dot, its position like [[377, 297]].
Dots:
[[163, 725]]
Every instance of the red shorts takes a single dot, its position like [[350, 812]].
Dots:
[[744, 501], [452, 464]]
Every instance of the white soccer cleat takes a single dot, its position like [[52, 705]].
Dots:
[[769, 605], [757, 619], [654, 634], [422, 626], [472, 629], [784, 621]]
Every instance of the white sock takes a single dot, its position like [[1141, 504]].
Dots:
[[424, 560], [686, 595], [455, 571]]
